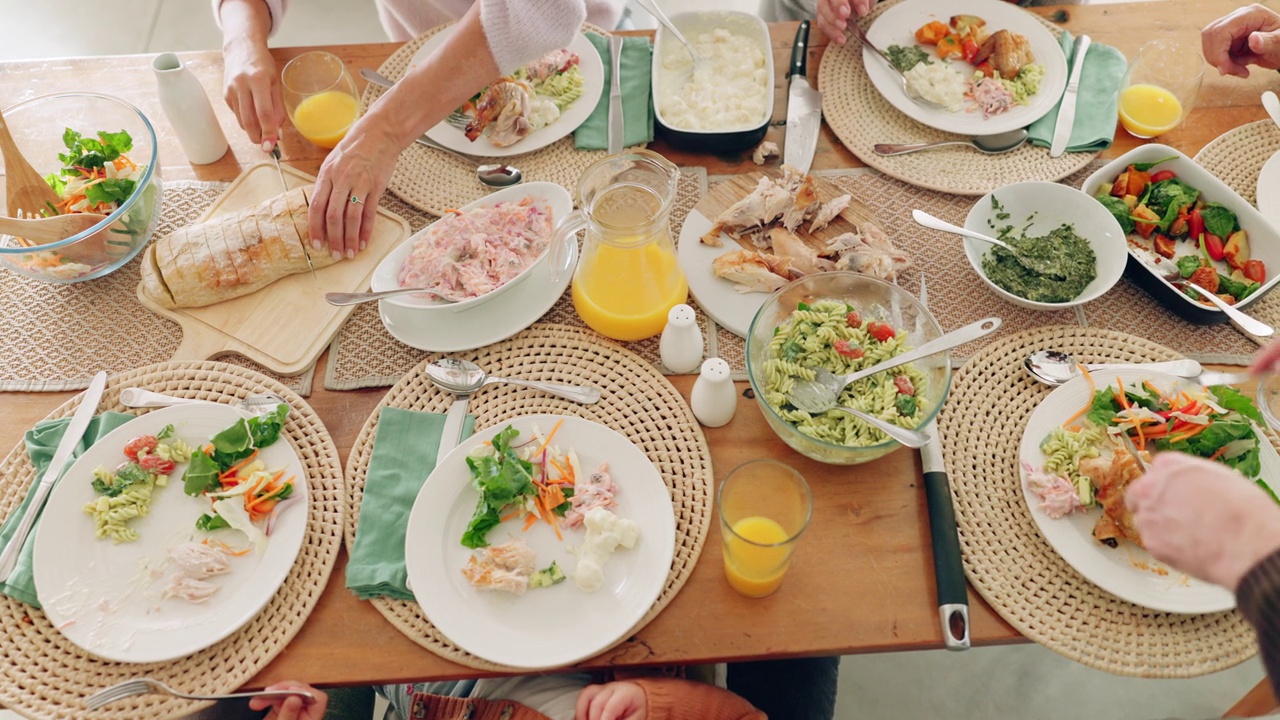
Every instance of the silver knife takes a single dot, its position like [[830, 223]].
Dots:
[[275, 156], [615, 95], [61, 458], [948, 571], [804, 107], [1133, 451], [1067, 109]]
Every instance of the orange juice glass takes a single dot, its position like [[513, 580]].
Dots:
[[320, 97], [1160, 87], [764, 507]]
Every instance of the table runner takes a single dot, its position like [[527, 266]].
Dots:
[[44, 675], [662, 426], [1009, 562], [55, 337]]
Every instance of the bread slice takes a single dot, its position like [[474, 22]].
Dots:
[[194, 278], [153, 284], [226, 270]]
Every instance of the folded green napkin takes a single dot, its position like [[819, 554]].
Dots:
[[1095, 125], [404, 453], [42, 441], [637, 101]]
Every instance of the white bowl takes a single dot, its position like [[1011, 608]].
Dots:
[[387, 275], [1048, 206]]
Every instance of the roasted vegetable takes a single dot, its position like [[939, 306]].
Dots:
[[1236, 250]]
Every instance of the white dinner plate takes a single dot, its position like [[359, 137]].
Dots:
[[897, 26], [1268, 195], [1127, 571], [592, 85], [728, 307], [546, 627], [106, 597]]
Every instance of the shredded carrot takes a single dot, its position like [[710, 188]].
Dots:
[[1124, 401], [1188, 433], [509, 515], [208, 449], [529, 521], [1142, 438], [547, 440], [232, 470], [1088, 403], [1220, 452]]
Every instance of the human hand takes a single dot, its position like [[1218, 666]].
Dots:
[[251, 87], [1203, 518], [360, 168], [1246, 36], [292, 707], [833, 16], [612, 701], [1267, 360]]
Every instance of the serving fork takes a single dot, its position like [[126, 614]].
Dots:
[[149, 686]]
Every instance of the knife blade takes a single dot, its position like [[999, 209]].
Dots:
[[804, 107], [615, 95], [1067, 109], [948, 571], [61, 459], [275, 157], [1133, 451]]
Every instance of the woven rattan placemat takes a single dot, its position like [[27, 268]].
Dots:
[[55, 337], [1009, 562], [365, 355], [659, 423], [861, 117], [44, 675], [435, 181]]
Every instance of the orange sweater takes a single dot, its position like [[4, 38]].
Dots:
[[668, 699]]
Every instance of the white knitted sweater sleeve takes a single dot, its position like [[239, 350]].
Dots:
[[522, 30], [275, 7]]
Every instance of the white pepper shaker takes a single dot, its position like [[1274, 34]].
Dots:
[[714, 398], [187, 106], [681, 344]]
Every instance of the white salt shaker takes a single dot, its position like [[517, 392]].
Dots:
[[714, 398], [187, 106], [681, 344]]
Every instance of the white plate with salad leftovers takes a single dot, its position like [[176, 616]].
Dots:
[[1075, 470], [171, 532], [537, 105], [993, 66], [564, 551], [1268, 191]]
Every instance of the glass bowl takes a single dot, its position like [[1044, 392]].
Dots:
[[874, 300], [37, 126]]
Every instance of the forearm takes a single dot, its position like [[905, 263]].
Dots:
[[1259, 601], [246, 21]]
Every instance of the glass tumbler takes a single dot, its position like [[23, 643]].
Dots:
[[1160, 87], [320, 97], [764, 507]]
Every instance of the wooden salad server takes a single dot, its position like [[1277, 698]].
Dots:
[[26, 192], [41, 231]]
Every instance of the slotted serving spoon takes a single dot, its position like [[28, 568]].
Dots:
[[25, 190]]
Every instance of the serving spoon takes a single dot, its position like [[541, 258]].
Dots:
[[257, 404], [355, 298], [1054, 367], [1042, 266], [989, 144]]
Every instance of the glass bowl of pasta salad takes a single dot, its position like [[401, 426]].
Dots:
[[98, 154], [844, 322]]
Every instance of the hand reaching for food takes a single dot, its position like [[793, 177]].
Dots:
[[292, 707], [1247, 36], [833, 16]]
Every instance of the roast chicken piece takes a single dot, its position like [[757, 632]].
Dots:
[[764, 205], [1111, 476], [1008, 52], [870, 252], [503, 109], [752, 271]]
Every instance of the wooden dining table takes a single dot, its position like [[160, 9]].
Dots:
[[862, 579]]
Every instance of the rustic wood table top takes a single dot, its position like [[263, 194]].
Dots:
[[862, 580]]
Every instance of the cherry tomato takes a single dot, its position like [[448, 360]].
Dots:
[[881, 331], [1255, 271], [846, 349], [1162, 175], [1214, 246], [1195, 225], [985, 68], [853, 319], [141, 445], [157, 464], [904, 386], [969, 49]]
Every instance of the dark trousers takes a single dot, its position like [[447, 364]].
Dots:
[[796, 689]]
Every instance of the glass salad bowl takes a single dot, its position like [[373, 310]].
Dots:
[[874, 300], [130, 183]]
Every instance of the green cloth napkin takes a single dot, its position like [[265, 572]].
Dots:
[[637, 101], [1095, 125], [42, 441], [404, 453]]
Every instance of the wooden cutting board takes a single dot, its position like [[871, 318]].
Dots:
[[286, 325], [724, 194]]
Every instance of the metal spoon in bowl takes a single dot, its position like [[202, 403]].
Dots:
[[906, 436], [989, 144], [1053, 367], [257, 404], [491, 174], [355, 298], [823, 392], [1040, 265]]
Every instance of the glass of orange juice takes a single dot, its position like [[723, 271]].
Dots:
[[320, 97], [764, 507], [1160, 87]]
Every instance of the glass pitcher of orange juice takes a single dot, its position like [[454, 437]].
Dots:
[[627, 278]]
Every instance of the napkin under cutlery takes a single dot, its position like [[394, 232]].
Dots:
[[404, 452], [1096, 105], [41, 442], [637, 110]]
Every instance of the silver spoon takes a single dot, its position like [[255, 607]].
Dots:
[[491, 174], [1247, 323], [1053, 367], [822, 393], [661, 17], [1040, 265], [460, 378], [989, 144], [258, 404], [355, 298], [907, 88], [466, 376], [906, 436]]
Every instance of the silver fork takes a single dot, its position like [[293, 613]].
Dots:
[[146, 686], [456, 119], [906, 86]]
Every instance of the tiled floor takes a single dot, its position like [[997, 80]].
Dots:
[[989, 683]]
